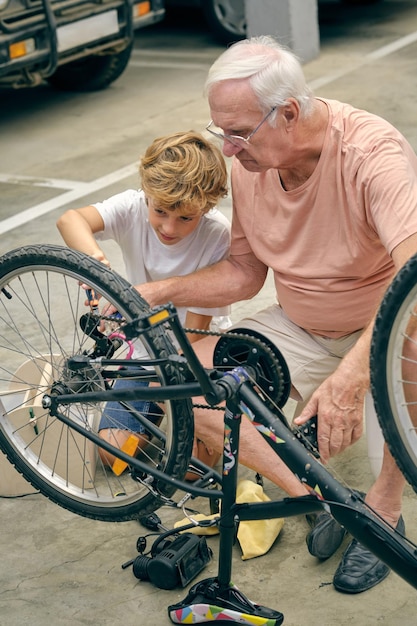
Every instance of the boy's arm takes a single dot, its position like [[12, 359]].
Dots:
[[77, 227]]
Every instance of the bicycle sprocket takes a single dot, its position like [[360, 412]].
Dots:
[[248, 348]]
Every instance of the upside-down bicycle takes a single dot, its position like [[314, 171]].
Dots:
[[59, 361]]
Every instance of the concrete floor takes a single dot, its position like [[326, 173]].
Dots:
[[60, 569]]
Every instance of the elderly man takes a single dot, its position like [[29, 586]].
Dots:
[[326, 196]]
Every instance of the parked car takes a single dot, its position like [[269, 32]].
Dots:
[[226, 18], [78, 45]]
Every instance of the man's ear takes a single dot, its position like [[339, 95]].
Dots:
[[291, 112]]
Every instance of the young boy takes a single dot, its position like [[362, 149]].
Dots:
[[170, 227]]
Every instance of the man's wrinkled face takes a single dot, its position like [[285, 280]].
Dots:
[[235, 112]]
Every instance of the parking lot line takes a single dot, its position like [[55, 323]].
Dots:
[[377, 54], [78, 190], [35, 181], [169, 64]]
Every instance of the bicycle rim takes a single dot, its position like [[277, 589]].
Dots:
[[394, 369], [41, 303]]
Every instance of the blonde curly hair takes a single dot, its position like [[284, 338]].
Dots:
[[184, 171]]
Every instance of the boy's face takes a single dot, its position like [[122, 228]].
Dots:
[[172, 226]]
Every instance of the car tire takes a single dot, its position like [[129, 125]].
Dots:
[[226, 19], [91, 73]]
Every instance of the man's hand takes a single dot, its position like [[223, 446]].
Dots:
[[340, 415], [338, 402]]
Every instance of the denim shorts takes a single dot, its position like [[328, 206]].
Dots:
[[117, 416], [310, 358]]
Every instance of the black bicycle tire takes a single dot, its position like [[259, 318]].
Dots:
[[75, 264], [386, 391]]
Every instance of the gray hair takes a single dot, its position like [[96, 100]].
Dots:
[[274, 72]]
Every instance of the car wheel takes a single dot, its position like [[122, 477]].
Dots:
[[91, 73], [226, 19]]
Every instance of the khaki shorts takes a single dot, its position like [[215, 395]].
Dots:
[[310, 358]]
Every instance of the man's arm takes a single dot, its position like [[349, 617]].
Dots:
[[233, 279], [338, 402]]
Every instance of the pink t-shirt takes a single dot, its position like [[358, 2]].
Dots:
[[329, 241]]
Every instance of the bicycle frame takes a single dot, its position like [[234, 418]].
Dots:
[[235, 388]]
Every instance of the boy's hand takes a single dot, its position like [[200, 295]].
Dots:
[[99, 256]]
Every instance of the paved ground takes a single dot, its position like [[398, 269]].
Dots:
[[60, 569]]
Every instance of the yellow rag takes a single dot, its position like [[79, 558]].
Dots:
[[255, 537]]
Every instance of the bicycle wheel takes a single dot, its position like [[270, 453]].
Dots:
[[394, 369], [42, 325]]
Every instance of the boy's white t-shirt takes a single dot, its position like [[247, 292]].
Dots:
[[147, 259]]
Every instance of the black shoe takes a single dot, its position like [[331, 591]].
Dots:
[[325, 536], [360, 569]]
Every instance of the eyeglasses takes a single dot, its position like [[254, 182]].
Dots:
[[237, 140]]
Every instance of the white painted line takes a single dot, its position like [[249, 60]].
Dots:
[[81, 190], [368, 58], [55, 183], [393, 47], [172, 54], [170, 65]]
